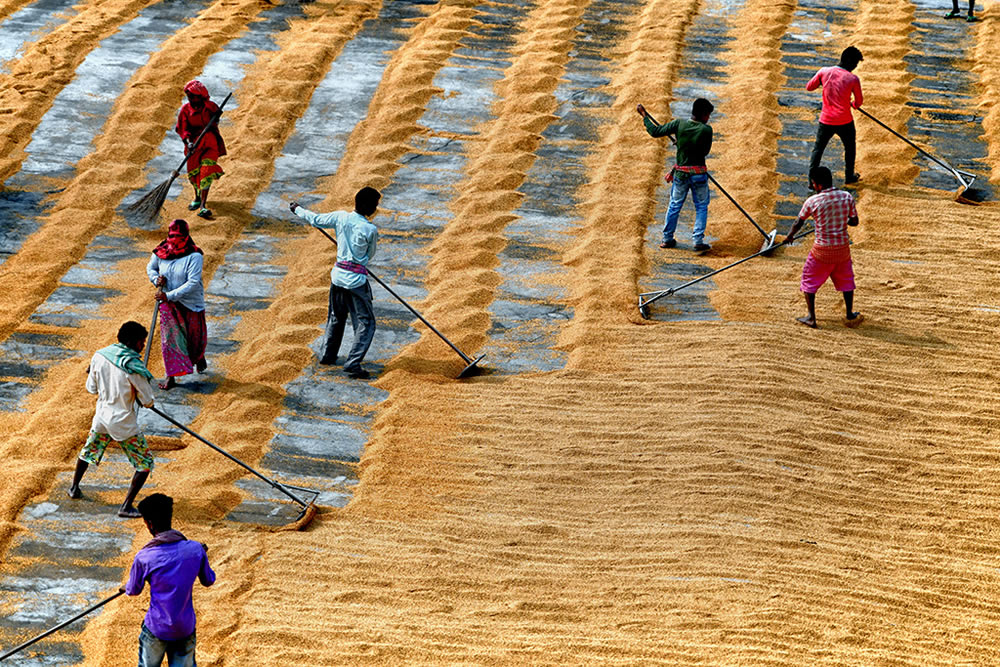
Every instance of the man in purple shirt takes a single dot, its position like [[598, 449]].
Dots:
[[170, 563]]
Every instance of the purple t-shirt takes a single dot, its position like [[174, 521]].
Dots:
[[170, 570]]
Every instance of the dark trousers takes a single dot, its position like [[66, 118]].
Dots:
[[847, 135], [358, 303]]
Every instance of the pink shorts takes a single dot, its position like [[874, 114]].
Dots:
[[815, 273]]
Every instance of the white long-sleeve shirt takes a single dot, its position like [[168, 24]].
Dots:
[[356, 240], [183, 279], [117, 392]]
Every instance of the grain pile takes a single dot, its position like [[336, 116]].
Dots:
[[735, 492]]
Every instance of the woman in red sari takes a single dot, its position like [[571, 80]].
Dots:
[[202, 163]]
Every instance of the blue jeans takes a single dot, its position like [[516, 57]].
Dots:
[[698, 185], [179, 652]]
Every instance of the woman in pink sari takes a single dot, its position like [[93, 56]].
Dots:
[[175, 268]]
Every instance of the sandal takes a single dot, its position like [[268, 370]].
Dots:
[[971, 18], [205, 213], [194, 205], [953, 14]]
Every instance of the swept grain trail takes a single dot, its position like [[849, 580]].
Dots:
[[608, 257], [33, 81], [881, 34], [987, 62], [12, 7], [746, 161], [462, 276]]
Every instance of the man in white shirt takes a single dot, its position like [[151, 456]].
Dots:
[[350, 292], [120, 379]]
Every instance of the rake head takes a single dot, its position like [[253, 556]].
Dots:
[[643, 309], [472, 368], [308, 512]]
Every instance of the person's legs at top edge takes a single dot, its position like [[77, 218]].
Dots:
[[853, 318], [700, 194], [128, 510], [678, 193], [957, 13], [336, 320]]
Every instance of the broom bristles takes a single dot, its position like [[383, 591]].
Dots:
[[147, 210]]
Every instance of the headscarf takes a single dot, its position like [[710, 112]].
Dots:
[[178, 243], [196, 87], [126, 359]]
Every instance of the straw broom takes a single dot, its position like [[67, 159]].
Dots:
[[146, 210]]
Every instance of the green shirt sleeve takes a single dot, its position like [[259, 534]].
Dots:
[[655, 130]]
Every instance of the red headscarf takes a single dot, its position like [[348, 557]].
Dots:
[[196, 87], [178, 243]]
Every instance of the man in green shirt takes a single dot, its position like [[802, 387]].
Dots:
[[694, 142]]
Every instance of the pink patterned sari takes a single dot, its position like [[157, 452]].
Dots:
[[183, 336]]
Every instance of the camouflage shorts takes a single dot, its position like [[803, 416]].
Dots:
[[135, 449]]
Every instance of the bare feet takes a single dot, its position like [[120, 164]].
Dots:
[[201, 365], [129, 512], [74, 492], [808, 321], [168, 383], [854, 320]]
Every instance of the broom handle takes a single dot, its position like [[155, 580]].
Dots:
[[149, 339], [18, 649], [277, 485], [197, 142]]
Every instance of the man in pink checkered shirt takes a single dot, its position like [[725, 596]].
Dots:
[[832, 211]]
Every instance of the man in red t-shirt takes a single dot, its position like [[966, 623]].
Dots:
[[832, 211], [839, 85]]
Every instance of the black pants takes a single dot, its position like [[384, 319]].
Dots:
[[358, 303], [847, 135], [972, 6]]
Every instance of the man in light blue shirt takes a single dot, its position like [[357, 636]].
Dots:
[[350, 292]]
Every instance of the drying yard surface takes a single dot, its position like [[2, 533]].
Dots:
[[715, 485]]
